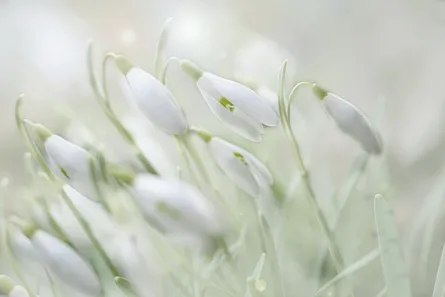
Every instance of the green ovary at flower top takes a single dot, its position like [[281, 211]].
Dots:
[[237, 106]]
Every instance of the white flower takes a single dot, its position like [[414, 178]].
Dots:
[[6, 284], [233, 103], [65, 263], [101, 223], [18, 291], [350, 120], [153, 98], [240, 166], [174, 206], [70, 162]]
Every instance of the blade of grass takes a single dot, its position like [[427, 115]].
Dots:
[[393, 265]]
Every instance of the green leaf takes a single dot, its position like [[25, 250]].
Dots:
[[439, 286], [364, 261], [393, 265]]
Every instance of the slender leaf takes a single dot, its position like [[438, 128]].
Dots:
[[393, 264], [439, 286]]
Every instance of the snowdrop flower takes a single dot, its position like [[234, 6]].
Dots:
[[240, 166], [233, 103], [350, 120], [101, 223], [6, 284], [68, 161], [63, 261], [153, 98], [174, 206]]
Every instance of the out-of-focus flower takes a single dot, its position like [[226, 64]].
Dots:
[[350, 120], [233, 103], [6, 284], [18, 291], [153, 98], [242, 168], [64, 262], [175, 206], [101, 223]]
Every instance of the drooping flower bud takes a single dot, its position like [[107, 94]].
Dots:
[[240, 166], [175, 206], [350, 120], [153, 98], [65, 263], [234, 104], [62, 261]]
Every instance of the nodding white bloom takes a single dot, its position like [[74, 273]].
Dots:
[[101, 223], [64, 262], [233, 103], [18, 291], [6, 284], [240, 166], [174, 206], [153, 98], [68, 161], [350, 120]]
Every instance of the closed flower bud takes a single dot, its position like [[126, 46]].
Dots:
[[240, 166], [174, 206], [350, 120], [153, 98], [233, 103], [65, 263], [6, 284], [18, 291]]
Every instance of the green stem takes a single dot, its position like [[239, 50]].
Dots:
[[166, 67], [292, 94], [183, 152], [109, 112], [324, 226], [98, 190], [160, 45]]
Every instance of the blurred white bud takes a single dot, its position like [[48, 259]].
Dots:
[[101, 223], [6, 284], [65, 263], [350, 120], [233, 103], [18, 291], [175, 206], [153, 98], [240, 166], [70, 162]]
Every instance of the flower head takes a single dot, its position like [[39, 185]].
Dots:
[[350, 120], [175, 206], [243, 169], [65, 263], [233, 103], [153, 98], [18, 291]]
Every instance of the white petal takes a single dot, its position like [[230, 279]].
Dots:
[[22, 246], [244, 98], [353, 122], [240, 122], [67, 156], [194, 213], [65, 263], [18, 291], [235, 170], [156, 101]]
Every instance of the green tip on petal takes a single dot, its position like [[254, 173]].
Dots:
[[205, 135], [319, 91], [191, 69], [123, 64], [227, 104], [240, 157], [6, 284]]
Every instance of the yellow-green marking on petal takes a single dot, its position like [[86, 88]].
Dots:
[[168, 210], [240, 157], [64, 173], [227, 104]]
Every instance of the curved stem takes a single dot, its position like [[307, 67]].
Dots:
[[183, 152], [163, 77], [292, 94], [324, 226], [103, 101]]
